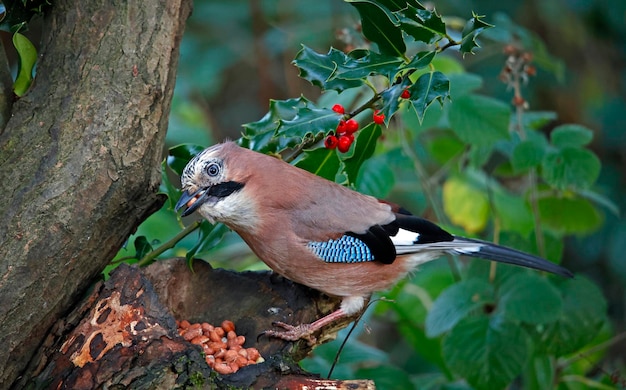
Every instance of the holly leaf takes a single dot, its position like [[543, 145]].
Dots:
[[365, 144], [390, 98], [422, 24], [209, 236], [375, 178], [427, 88], [319, 69], [380, 26], [308, 122], [420, 60], [261, 135], [472, 29], [322, 162], [179, 156], [142, 247], [362, 63]]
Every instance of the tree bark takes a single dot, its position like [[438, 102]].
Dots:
[[80, 158]]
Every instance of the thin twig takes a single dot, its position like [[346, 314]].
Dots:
[[599, 347], [149, 257]]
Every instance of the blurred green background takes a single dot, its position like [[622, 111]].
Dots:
[[236, 55]]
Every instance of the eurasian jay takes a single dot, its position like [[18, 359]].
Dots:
[[319, 233]]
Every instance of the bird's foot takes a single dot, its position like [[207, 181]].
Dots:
[[293, 333]]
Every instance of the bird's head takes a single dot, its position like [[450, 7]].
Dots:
[[212, 183]]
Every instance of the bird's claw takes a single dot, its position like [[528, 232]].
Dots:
[[292, 333]]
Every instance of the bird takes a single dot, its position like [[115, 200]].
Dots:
[[319, 233]]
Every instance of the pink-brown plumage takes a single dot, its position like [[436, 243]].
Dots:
[[280, 210]]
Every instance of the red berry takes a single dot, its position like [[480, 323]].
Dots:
[[338, 108], [350, 137], [378, 118], [351, 126], [331, 142], [405, 94], [344, 143], [341, 127]]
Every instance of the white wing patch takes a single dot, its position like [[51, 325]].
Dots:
[[404, 237]]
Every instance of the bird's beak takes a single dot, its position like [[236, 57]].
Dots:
[[192, 200]]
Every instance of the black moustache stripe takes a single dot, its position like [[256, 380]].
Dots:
[[222, 190]]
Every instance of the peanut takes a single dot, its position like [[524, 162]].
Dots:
[[228, 326]]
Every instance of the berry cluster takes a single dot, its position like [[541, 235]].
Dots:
[[344, 134]]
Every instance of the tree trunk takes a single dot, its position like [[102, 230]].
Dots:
[[124, 334], [80, 158]]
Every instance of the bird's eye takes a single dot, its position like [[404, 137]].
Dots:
[[213, 169]]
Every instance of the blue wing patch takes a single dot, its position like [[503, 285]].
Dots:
[[347, 249]]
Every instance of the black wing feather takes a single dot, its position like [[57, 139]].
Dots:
[[378, 241]]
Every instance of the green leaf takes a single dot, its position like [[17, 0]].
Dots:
[[375, 178], [530, 298], [179, 156], [320, 69], [390, 99], [428, 88], [570, 167], [465, 205], [309, 121], [260, 135], [27, 54], [362, 63], [479, 120], [463, 83], [381, 26], [322, 162], [536, 120], [167, 187], [581, 318], [472, 29], [420, 60], [209, 236], [386, 377], [513, 212], [422, 24], [489, 354], [527, 154], [365, 144], [570, 136], [540, 372], [456, 303], [444, 146], [567, 215], [142, 247], [600, 200]]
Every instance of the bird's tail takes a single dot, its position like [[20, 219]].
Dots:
[[489, 251]]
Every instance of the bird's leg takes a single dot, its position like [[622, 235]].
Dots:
[[304, 331]]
